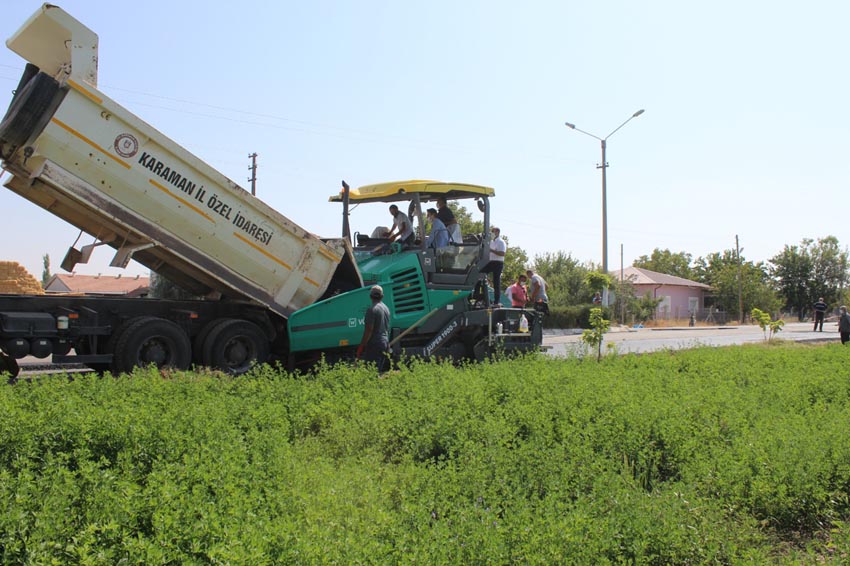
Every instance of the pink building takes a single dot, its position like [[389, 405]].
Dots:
[[679, 297]]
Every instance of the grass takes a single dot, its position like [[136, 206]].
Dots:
[[709, 456]]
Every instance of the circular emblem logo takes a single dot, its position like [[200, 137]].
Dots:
[[126, 145]]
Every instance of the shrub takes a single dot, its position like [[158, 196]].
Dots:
[[594, 335], [577, 316], [736, 455]]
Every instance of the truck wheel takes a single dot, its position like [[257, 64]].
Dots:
[[235, 345], [151, 340], [200, 339], [27, 108], [9, 365]]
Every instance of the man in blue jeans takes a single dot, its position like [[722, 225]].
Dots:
[[820, 311]]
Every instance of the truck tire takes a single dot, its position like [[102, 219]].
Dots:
[[235, 345], [152, 340], [200, 339], [27, 108]]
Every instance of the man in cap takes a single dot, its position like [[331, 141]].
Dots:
[[374, 346]]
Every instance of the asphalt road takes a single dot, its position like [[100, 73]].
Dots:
[[630, 340]]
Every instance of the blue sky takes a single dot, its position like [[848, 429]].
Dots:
[[745, 129]]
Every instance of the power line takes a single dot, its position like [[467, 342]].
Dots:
[[316, 127]]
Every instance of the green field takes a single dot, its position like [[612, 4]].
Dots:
[[736, 455]]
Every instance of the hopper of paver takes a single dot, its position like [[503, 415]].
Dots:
[[75, 152]]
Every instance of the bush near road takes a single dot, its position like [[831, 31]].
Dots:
[[706, 456]]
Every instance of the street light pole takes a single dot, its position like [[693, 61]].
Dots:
[[604, 166]]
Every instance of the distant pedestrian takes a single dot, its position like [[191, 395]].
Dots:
[[374, 346], [844, 325], [597, 298], [820, 310]]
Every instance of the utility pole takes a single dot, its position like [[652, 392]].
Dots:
[[604, 166], [740, 282], [253, 170], [621, 296]]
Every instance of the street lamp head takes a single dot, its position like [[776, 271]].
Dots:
[[638, 113], [571, 126]]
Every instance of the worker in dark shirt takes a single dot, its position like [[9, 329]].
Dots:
[[445, 214], [374, 346], [820, 311], [844, 325]]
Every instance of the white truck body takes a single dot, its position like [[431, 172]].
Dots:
[[106, 171]]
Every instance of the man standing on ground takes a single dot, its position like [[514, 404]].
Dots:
[[374, 346], [537, 292], [402, 229], [498, 249], [844, 325], [820, 311]]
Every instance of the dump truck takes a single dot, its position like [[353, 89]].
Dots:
[[267, 289]]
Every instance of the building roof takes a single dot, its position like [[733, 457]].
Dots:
[[640, 276], [97, 284]]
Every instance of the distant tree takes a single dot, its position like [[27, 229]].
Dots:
[[464, 219], [667, 262], [45, 273], [792, 271], [565, 277], [516, 259], [809, 271], [643, 308], [630, 306], [720, 270], [164, 288], [829, 269], [596, 280]]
